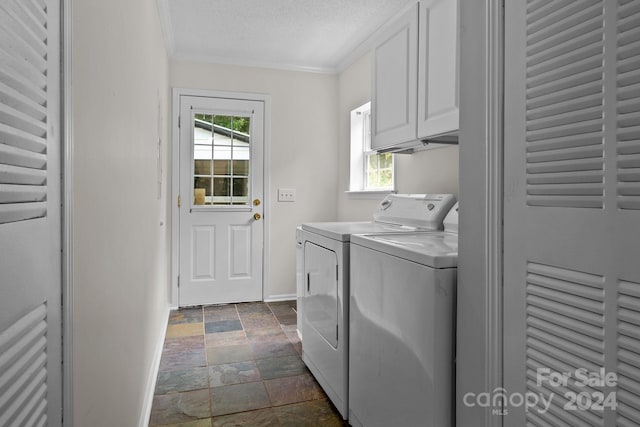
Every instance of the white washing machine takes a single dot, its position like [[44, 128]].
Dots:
[[402, 328], [324, 309]]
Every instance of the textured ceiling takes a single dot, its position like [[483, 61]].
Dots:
[[314, 35]]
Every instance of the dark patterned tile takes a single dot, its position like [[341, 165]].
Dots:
[[182, 380], [233, 373], [271, 372], [287, 319], [283, 307], [180, 407], [182, 359], [296, 389], [183, 352], [214, 313], [253, 308], [281, 367], [286, 303], [229, 354], [265, 349], [260, 418], [289, 328], [292, 335], [189, 343], [298, 347], [222, 326], [184, 330], [259, 321], [185, 315], [315, 413], [266, 334], [239, 397], [226, 338], [294, 338], [203, 422]]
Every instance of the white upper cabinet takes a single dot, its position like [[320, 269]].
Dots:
[[438, 73], [394, 94], [415, 77]]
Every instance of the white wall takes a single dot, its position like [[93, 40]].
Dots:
[[431, 171], [303, 150], [120, 239]]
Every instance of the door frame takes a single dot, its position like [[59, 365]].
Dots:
[[176, 93], [66, 145], [480, 302]]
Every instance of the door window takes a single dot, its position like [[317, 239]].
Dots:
[[221, 156]]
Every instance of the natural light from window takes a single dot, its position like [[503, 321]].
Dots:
[[369, 171]]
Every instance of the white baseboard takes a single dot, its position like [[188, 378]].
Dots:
[[153, 372], [281, 297]]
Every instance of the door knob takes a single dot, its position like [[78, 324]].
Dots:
[[257, 216], [256, 202]]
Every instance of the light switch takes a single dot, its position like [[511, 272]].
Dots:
[[286, 194]]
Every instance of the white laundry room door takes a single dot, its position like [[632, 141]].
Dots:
[[572, 213], [221, 200], [30, 214]]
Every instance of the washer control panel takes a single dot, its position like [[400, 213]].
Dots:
[[422, 211]]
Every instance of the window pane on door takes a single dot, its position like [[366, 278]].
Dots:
[[241, 167], [222, 155]]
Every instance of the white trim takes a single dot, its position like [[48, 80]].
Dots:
[[357, 53], [281, 297], [494, 170], [245, 62], [153, 372], [167, 28], [480, 305], [266, 194], [174, 165], [67, 213], [175, 178]]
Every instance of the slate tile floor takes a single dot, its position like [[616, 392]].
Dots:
[[237, 365]]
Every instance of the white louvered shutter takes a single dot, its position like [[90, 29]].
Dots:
[[572, 206], [23, 110], [30, 214]]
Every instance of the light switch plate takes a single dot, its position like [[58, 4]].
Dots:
[[286, 194]]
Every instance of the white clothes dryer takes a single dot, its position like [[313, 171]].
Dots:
[[402, 328], [325, 301]]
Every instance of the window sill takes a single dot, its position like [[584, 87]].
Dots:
[[368, 194]]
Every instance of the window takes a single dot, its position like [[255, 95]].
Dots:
[[221, 155], [370, 171]]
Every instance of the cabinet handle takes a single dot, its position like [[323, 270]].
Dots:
[[308, 282]]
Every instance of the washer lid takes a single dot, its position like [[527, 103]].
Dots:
[[434, 249], [342, 231]]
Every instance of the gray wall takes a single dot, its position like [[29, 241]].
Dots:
[[120, 240]]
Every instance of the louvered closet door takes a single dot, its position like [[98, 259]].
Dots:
[[572, 207], [30, 249]]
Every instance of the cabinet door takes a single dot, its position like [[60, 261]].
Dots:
[[438, 68], [394, 91]]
